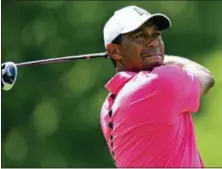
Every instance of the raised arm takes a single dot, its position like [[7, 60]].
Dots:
[[203, 74]]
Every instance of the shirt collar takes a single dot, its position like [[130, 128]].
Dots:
[[118, 80]]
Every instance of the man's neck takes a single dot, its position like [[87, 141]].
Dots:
[[121, 69]]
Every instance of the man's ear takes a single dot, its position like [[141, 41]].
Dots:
[[113, 51]]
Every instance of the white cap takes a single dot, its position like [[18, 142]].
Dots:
[[129, 19]]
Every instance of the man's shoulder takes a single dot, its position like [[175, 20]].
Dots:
[[164, 69], [170, 73], [160, 78], [156, 73]]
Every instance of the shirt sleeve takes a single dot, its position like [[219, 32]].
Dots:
[[179, 86]]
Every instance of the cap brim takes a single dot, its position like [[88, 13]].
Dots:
[[161, 21]]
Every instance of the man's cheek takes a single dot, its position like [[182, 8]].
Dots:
[[161, 44]]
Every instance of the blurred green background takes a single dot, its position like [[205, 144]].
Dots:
[[51, 117]]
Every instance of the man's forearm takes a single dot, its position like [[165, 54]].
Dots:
[[202, 73], [185, 63]]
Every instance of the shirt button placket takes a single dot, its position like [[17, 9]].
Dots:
[[110, 125]]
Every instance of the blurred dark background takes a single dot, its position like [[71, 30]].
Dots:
[[51, 116]]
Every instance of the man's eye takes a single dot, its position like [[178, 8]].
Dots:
[[138, 35], [156, 34]]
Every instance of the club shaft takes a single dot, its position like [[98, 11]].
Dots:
[[62, 59]]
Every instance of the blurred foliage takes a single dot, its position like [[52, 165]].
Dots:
[[51, 117]]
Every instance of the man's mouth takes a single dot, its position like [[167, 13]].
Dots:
[[154, 51]]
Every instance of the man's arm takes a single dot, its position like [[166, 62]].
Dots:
[[203, 74]]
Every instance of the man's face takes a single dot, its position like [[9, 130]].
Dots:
[[142, 49]]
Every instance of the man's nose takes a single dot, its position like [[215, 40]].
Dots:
[[152, 43]]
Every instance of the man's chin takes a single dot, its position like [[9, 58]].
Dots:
[[154, 60]]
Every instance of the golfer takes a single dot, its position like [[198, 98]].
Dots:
[[147, 117]]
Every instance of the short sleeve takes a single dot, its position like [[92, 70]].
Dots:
[[159, 96], [180, 86]]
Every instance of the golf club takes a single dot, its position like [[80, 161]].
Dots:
[[9, 69], [63, 59]]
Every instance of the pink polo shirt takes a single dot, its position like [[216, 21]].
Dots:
[[146, 118]]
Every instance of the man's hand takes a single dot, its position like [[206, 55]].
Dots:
[[203, 74], [9, 75]]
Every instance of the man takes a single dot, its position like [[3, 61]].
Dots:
[[146, 118]]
